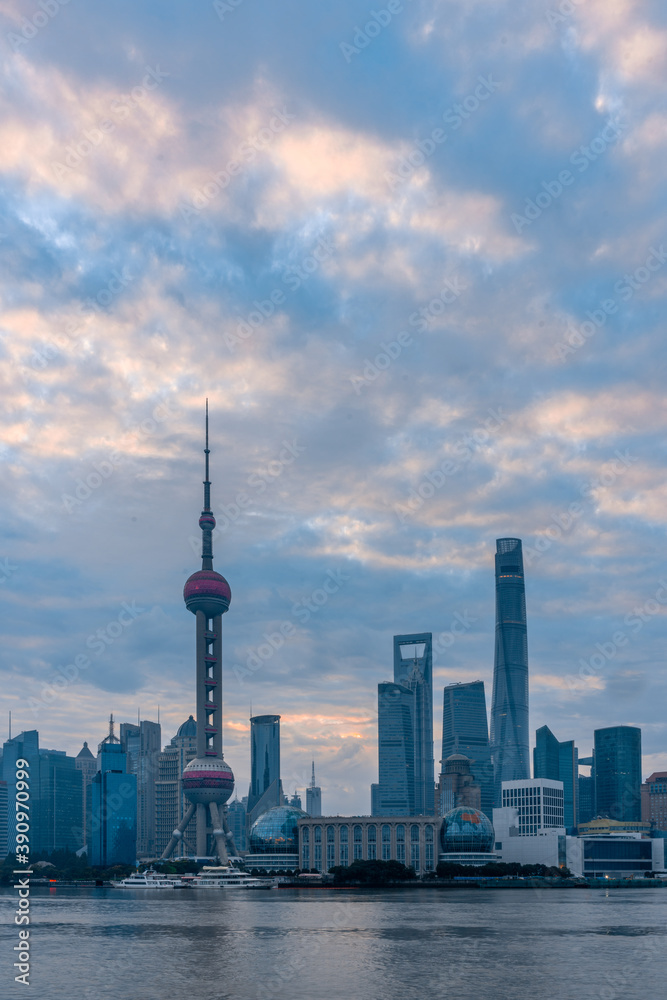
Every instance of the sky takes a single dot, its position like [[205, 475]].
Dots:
[[415, 256]]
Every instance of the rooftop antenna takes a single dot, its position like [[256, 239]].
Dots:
[[207, 483]]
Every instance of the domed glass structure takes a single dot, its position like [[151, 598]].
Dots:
[[275, 832], [466, 830]]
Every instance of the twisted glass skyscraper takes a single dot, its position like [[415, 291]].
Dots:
[[509, 709]]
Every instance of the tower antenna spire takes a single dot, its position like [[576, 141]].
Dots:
[[207, 521], [207, 482]]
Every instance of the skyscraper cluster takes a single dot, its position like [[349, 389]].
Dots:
[[406, 784], [478, 759], [134, 798]]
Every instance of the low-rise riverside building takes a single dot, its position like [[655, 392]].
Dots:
[[328, 841]]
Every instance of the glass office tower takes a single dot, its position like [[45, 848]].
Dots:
[[465, 729], [559, 761], [394, 794], [509, 710], [415, 671], [618, 772]]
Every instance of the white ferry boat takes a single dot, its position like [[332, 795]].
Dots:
[[150, 880], [228, 878]]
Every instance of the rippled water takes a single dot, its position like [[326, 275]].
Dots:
[[341, 945]]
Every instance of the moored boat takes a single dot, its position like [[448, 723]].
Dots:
[[228, 877], [150, 880]]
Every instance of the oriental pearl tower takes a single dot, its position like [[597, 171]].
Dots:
[[207, 780]]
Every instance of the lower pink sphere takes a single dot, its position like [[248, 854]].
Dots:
[[208, 779]]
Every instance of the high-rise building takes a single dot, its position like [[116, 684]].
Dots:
[[236, 815], [559, 761], [457, 785], [25, 746], [208, 780], [654, 800], [586, 803], [86, 763], [465, 730], [141, 742], [171, 804], [295, 801], [113, 838], [313, 796], [394, 794], [509, 710], [538, 803], [59, 807], [415, 671], [618, 772], [265, 785]]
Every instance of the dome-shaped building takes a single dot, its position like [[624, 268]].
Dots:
[[274, 839], [467, 836], [188, 729]]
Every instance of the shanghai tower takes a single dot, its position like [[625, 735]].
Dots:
[[509, 709]]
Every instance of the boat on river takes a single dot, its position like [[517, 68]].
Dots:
[[150, 880], [227, 877]]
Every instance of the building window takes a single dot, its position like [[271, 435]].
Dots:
[[318, 834], [358, 845], [318, 857], [372, 843], [344, 849], [428, 837], [305, 834], [400, 843], [386, 843], [331, 848], [305, 856]]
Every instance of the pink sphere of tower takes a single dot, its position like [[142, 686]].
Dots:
[[208, 779], [207, 591]]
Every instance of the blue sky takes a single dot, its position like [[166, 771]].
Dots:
[[417, 260]]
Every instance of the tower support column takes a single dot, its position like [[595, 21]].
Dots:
[[219, 833], [202, 839]]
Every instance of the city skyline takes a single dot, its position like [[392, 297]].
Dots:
[[351, 793]]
